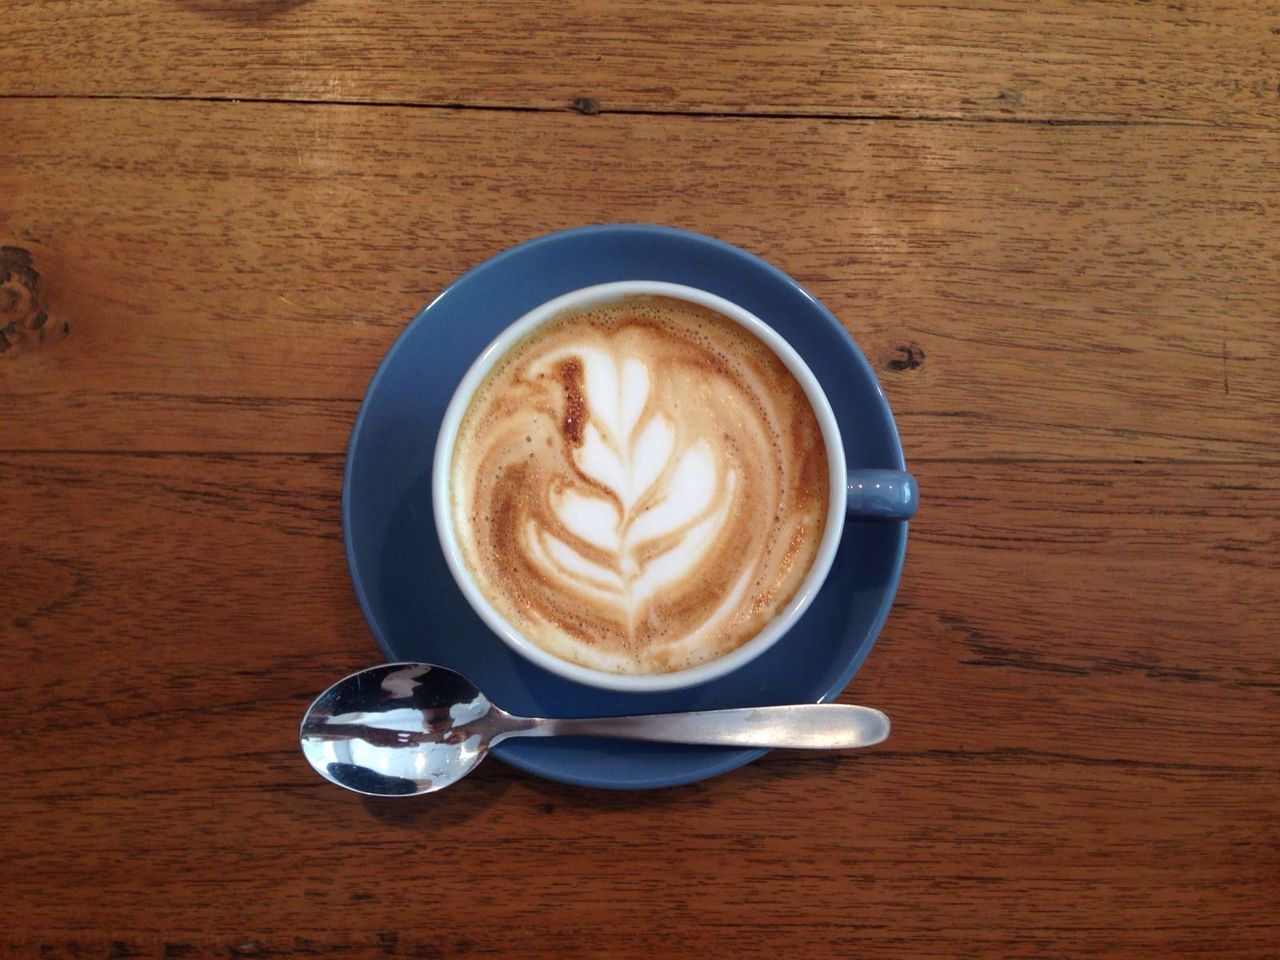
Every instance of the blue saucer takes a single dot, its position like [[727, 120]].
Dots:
[[415, 610]]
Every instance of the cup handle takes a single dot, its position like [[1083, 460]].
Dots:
[[882, 495]]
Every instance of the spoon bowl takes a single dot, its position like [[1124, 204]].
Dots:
[[403, 729], [399, 729]]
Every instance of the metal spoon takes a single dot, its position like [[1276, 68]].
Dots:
[[403, 729]]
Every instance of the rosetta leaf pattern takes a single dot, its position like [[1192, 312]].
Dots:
[[653, 505]]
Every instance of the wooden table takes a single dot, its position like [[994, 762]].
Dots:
[[1053, 229]]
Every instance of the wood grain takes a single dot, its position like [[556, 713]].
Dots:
[[225, 277], [1053, 229], [1086, 748], [1179, 60]]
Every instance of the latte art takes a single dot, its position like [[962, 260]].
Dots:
[[639, 487]]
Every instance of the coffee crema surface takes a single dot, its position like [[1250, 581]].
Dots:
[[639, 487]]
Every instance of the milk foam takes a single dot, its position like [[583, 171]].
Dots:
[[640, 487]]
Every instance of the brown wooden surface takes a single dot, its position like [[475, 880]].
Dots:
[[1078, 326], [1074, 291], [1183, 60]]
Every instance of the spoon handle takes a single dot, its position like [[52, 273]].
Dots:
[[817, 726]]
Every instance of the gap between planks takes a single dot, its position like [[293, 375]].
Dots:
[[590, 108]]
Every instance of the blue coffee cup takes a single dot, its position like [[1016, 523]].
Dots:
[[861, 494]]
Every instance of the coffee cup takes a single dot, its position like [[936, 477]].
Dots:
[[886, 495]]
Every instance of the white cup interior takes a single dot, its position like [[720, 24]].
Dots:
[[595, 296]]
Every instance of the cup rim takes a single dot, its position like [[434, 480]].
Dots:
[[586, 298]]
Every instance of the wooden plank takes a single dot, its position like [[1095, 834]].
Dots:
[[1081, 669], [1185, 60], [1133, 567], [225, 277]]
